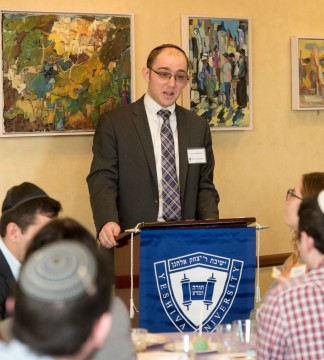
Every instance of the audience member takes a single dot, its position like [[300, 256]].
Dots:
[[25, 209], [61, 304], [291, 321], [309, 184], [118, 345]]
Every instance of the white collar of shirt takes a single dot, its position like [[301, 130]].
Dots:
[[155, 123], [152, 107], [13, 263], [17, 350]]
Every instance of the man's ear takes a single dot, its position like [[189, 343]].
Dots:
[[101, 329], [146, 74], [10, 304], [302, 235], [309, 242], [306, 241], [13, 231]]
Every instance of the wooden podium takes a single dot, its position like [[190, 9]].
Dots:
[[180, 252], [122, 269]]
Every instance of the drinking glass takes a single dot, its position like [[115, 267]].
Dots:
[[183, 344], [226, 338], [246, 335]]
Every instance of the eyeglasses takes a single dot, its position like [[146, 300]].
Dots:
[[291, 193], [163, 75]]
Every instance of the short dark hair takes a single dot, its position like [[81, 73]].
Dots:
[[58, 229], [24, 215], [312, 183], [157, 50], [61, 328], [311, 220]]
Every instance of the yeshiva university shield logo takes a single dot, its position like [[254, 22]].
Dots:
[[197, 286]]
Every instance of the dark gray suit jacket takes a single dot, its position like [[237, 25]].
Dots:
[[7, 282], [123, 181]]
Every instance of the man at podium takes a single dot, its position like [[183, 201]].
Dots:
[[152, 159]]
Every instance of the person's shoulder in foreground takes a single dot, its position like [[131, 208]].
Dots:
[[56, 284], [292, 312], [291, 321], [119, 344]]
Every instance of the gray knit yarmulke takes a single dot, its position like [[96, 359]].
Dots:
[[61, 271]]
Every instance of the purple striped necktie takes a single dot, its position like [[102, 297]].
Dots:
[[170, 185]]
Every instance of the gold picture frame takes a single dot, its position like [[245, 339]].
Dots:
[[220, 57], [307, 65], [60, 71]]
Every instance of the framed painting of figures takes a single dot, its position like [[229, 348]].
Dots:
[[220, 57], [60, 71], [307, 61]]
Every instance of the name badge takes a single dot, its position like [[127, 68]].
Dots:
[[297, 271], [197, 156]]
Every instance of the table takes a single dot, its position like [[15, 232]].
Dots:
[[158, 352]]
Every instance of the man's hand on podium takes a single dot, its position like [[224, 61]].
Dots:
[[108, 235]]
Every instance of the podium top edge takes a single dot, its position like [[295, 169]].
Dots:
[[232, 222], [214, 223]]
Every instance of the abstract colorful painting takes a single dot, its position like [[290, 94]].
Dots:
[[219, 52], [307, 73], [61, 71]]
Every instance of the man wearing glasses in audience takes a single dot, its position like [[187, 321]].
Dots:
[[291, 321], [127, 180]]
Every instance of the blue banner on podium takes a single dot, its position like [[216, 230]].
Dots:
[[191, 274]]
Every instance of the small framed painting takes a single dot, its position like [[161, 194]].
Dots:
[[220, 58], [307, 60], [60, 71]]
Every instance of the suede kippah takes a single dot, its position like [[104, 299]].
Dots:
[[59, 272], [20, 194]]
